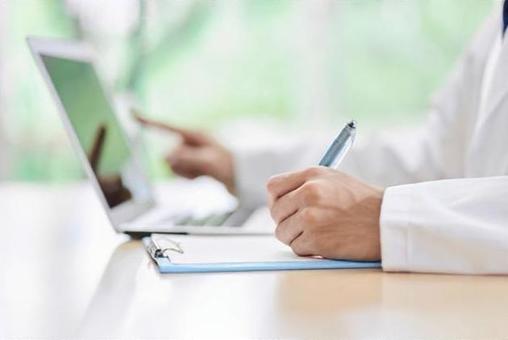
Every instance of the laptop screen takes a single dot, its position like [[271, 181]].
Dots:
[[98, 130]]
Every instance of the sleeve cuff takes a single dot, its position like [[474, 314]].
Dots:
[[249, 179], [394, 228]]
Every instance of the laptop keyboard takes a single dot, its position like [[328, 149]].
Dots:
[[210, 220], [234, 217]]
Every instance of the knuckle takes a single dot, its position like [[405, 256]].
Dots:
[[309, 216], [312, 172], [271, 185], [312, 193]]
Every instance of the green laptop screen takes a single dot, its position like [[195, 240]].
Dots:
[[98, 130]]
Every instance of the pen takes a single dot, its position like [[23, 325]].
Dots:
[[340, 146]]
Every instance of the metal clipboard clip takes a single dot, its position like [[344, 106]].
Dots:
[[157, 251]]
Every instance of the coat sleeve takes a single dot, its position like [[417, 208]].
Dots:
[[253, 168], [448, 226]]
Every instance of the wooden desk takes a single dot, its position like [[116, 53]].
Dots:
[[65, 273]]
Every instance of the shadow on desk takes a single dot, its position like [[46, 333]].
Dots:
[[112, 299]]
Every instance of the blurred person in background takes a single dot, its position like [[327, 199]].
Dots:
[[433, 202]]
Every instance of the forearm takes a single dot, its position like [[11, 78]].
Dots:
[[389, 158], [253, 168]]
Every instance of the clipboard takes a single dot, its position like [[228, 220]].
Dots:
[[234, 253]]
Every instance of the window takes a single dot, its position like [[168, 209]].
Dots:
[[209, 63]]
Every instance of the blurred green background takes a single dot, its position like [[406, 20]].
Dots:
[[210, 64]]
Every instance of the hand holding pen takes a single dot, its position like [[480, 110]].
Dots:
[[320, 211]]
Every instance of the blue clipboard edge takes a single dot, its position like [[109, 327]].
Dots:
[[165, 266]]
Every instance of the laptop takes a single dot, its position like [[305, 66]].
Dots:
[[112, 163]]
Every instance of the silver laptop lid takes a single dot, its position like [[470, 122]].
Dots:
[[93, 128]]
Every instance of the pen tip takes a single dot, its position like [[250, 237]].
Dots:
[[352, 124]]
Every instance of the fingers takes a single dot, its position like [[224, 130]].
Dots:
[[188, 162], [286, 205], [190, 137], [158, 124], [291, 232], [280, 185], [289, 195], [289, 229], [301, 246]]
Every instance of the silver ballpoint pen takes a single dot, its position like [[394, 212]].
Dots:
[[340, 146]]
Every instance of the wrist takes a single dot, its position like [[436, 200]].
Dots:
[[379, 195]]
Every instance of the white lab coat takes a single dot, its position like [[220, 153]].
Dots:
[[445, 207]]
